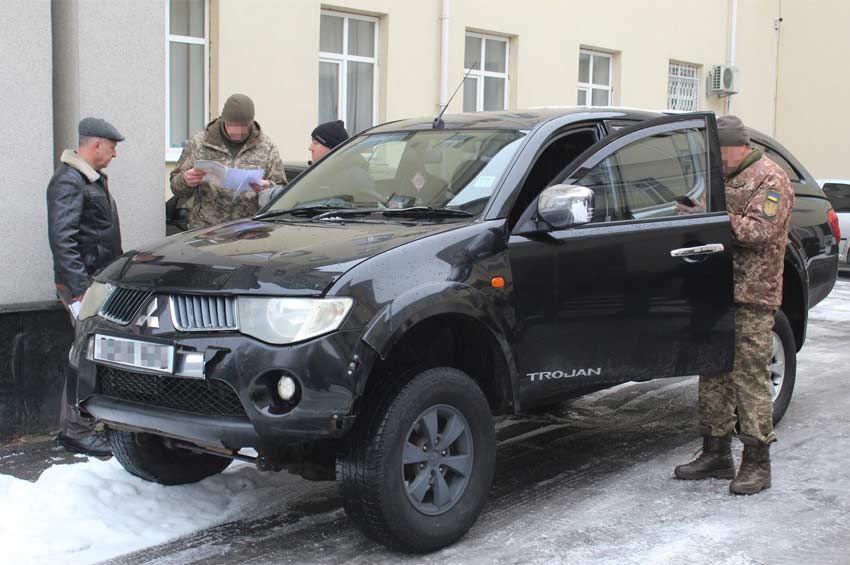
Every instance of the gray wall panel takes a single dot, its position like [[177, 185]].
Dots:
[[26, 161]]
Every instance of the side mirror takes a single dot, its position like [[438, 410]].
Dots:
[[565, 205]]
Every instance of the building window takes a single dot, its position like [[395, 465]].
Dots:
[[595, 70], [187, 72], [348, 70], [683, 87], [486, 87]]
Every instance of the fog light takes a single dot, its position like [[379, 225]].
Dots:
[[286, 388]]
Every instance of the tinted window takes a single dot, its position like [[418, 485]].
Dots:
[[786, 166], [647, 176], [839, 196]]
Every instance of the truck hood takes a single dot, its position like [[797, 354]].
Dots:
[[269, 258]]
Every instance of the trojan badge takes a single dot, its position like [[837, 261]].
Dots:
[[547, 375]]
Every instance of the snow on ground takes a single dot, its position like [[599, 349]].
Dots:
[[91, 511], [94, 510], [836, 307]]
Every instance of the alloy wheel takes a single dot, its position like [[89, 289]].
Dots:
[[437, 459], [776, 366]]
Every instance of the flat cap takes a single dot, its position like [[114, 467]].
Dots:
[[95, 127], [732, 132]]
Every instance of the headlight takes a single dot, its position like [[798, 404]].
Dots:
[[287, 320], [94, 298]]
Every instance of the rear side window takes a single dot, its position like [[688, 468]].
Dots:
[[839, 195], [777, 158], [649, 175]]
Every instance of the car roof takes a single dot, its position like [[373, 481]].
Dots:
[[518, 119]]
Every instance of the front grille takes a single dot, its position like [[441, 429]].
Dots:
[[122, 304], [210, 397], [201, 313]]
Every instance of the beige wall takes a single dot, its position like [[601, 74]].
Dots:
[[756, 61], [276, 62], [814, 83]]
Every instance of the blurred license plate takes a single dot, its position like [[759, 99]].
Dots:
[[134, 353]]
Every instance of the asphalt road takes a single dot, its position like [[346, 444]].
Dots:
[[592, 483]]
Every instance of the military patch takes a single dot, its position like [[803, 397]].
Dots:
[[771, 204]]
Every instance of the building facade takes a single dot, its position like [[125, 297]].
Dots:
[[371, 61]]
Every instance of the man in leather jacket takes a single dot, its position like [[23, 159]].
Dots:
[[82, 223]]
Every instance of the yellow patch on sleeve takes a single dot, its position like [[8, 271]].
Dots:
[[770, 208], [771, 204]]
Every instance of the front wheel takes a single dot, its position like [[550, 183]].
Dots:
[[782, 365], [417, 467], [148, 457]]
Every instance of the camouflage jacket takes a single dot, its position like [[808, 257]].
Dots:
[[759, 199], [213, 204]]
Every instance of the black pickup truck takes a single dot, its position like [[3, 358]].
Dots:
[[368, 323]]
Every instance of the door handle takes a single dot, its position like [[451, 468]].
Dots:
[[697, 251]]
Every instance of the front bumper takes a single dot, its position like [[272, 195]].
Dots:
[[327, 370]]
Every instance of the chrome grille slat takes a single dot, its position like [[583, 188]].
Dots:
[[228, 308], [192, 313], [124, 304], [181, 309], [219, 309]]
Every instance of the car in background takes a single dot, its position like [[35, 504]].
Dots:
[[177, 211], [838, 192]]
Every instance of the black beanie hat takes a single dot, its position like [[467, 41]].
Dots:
[[330, 134]]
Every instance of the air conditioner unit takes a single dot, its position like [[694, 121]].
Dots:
[[723, 80]]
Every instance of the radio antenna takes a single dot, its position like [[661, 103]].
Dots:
[[438, 121]]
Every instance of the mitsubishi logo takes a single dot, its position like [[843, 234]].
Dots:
[[148, 317]]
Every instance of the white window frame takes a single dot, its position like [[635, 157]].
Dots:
[[588, 87], [342, 59], [172, 154], [695, 80], [480, 73]]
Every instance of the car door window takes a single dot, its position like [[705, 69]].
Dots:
[[643, 179], [839, 195]]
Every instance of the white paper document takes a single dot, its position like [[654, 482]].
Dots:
[[226, 177]]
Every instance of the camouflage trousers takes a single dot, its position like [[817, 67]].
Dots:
[[748, 387]]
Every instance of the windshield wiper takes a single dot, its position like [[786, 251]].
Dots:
[[424, 211], [347, 212], [308, 211]]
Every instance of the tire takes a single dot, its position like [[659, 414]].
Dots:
[[374, 481], [783, 365], [146, 456]]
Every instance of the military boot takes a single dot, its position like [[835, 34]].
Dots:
[[754, 474], [715, 461]]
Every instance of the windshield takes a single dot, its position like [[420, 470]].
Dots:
[[437, 169]]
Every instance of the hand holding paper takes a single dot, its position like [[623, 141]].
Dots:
[[226, 177]]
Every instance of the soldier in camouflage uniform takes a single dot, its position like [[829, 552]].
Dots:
[[759, 199], [235, 140]]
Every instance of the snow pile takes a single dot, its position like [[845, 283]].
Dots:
[[92, 511]]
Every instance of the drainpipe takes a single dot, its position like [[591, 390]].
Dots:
[[733, 38], [444, 54], [777, 26]]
